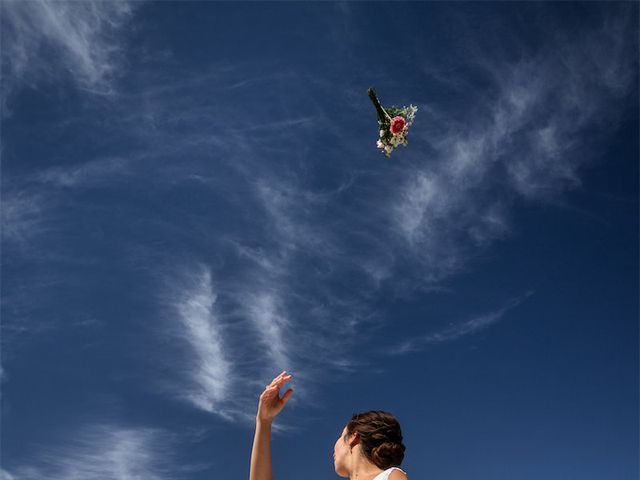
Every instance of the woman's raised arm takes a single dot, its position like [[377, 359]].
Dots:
[[269, 406]]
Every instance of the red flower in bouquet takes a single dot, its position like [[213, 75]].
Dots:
[[397, 124]]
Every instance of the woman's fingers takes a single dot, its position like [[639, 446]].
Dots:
[[279, 378], [283, 379], [279, 381], [276, 384], [273, 390]]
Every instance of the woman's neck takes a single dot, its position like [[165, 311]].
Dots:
[[364, 471], [359, 475]]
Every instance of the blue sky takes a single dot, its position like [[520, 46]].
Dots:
[[192, 201]]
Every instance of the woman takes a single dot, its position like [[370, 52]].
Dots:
[[369, 448]]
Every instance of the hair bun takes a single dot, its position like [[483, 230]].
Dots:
[[380, 437], [388, 454]]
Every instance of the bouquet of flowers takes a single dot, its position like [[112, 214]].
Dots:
[[394, 123]]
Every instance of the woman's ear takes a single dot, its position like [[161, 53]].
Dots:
[[354, 440]]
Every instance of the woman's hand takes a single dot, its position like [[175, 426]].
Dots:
[[270, 403]]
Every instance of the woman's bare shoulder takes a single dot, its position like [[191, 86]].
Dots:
[[397, 475]]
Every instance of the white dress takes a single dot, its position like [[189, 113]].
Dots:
[[385, 475]]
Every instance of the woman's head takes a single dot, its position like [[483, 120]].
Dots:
[[379, 436]]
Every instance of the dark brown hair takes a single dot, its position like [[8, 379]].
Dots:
[[380, 437]]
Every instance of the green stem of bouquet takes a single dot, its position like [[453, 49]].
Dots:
[[383, 116]]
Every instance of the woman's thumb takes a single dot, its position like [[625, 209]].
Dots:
[[287, 395]]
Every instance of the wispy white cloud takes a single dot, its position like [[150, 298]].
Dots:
[[525, 137], [291, 215], [209, 377], [103, 451], [42, 38], [301, 226], [456, 331], [4, 475], [92, 173], [22, 216], [273, 327]]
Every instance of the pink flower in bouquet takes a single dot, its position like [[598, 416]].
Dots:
[[397, 124], [379, 144]]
